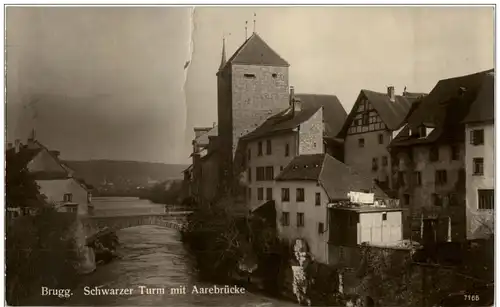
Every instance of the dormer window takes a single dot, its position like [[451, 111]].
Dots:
[[422, 132], [249, 76]]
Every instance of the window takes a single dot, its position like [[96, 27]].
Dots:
[[478, 166], [406, 199], [374, 164], [269, 194], [260, 176], [285, 194], [455, 153], [417, 178], [441, 177], [275, 76], [287, 150], [365, 119], [321, 228], [361, 142], [269, 173], [250, 193], [249, 154], [249, 76], [434, 154], [260, 194], [249, 175], [384, 216], [385, 161], [68, 197], [485, 199], [300, 194], [436, 200], [477, 137], [318, 199], [269, 149], [381, 138], [259, 153], [285, 218], [422, 132], [281, 168], [300, 219]]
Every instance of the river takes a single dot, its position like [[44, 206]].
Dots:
[[154, 257]]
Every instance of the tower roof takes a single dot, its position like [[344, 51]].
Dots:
[[223, 56], [257, 52]]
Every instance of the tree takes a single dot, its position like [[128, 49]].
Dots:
[[20, 186]]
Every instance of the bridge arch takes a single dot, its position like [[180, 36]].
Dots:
[[172, 220]]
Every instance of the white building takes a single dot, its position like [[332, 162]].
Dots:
[[480, 162], [55, 179], [299, 130], [302, 194]]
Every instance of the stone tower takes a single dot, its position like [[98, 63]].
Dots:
[[251, 86]]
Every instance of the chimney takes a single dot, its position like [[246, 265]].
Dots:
[[214, 124], [292, 95], [297, 105], [17, 145], [390, 93]]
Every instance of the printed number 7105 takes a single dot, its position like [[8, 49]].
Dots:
[[473, 298]]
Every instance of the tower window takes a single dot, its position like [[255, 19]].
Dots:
[[249, 76]]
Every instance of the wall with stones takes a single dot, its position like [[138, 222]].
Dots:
[[311, 135]]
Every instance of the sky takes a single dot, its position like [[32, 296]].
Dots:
[[110, 83]]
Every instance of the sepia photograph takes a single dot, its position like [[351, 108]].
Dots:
[[253, 156]]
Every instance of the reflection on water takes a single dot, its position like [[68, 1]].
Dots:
[[154, 257]]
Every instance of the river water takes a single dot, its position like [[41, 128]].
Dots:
[[153, 257]]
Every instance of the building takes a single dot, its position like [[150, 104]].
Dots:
[[351, 223], [429, 156], [479, 162], [303, 191], [251, 86], [305, 127], [369, 128], [55, 179]]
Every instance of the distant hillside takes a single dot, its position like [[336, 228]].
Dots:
[[121, 176]]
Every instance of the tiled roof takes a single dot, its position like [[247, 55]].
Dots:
[[256, 51], [283, 121], [483, 108], [446, 107], [333, 116], [336, 178], [392, 113], [334, 113], [203, 139]]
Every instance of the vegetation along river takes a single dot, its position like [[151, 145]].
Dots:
[[152, 257]]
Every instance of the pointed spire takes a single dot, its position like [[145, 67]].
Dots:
[[223, 56]]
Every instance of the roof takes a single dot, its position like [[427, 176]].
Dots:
[[256, 51], [483, 108], [333, 115], [392, 113], [203, 139], [336, 178], [283, 121], [446, 108]]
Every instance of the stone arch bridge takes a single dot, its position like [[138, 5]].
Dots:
[[175, 220]]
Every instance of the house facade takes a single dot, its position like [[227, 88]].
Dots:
[[480, 163], [55, 179], [304, 189], [369, 128], [429, 156]]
